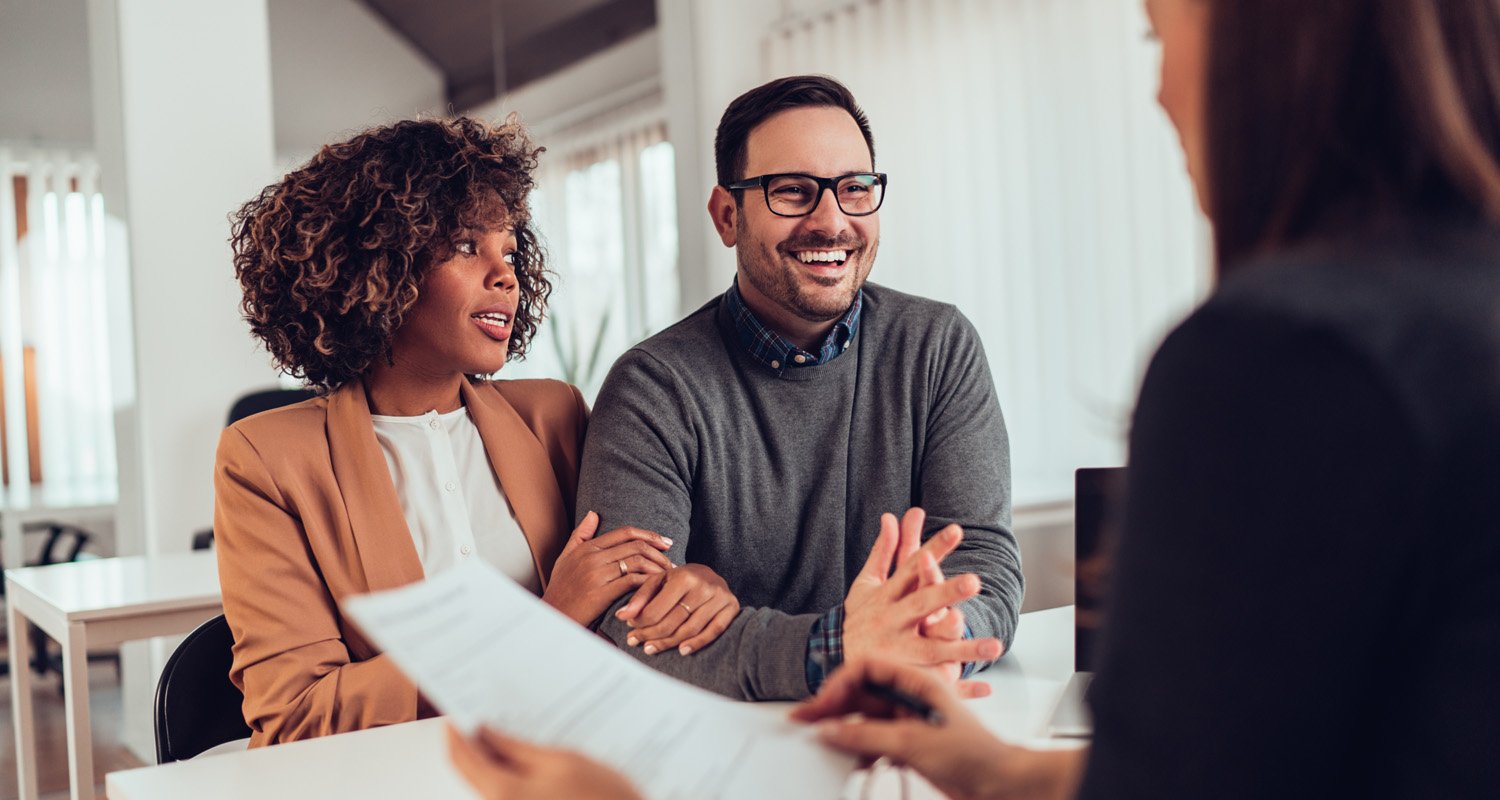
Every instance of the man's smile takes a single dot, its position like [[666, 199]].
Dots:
[[834, 257]]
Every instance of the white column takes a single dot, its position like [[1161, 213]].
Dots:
[[182, 109], [711, 54]]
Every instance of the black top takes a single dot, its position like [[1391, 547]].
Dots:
[[1306, 598]]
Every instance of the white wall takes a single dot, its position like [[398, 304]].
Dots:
[[1044, 533], [168, 189], [606, 80], [44, 73], [711, 54], [336, 68]]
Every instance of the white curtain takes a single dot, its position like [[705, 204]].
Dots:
[[606, 210], [52, 302], [1035, 184]]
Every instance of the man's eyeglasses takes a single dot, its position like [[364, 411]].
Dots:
[[790, 194]]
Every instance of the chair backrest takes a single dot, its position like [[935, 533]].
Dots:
[[248, 405], [197, 707], [256, 402]]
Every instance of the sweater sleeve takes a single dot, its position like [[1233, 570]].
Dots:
[[965, 479], [1273, 485], [290, 659], [637, 468]]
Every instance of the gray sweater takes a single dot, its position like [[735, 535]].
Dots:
[[777, 483]]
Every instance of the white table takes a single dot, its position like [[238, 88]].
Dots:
[[411, 760], [95, 603], [20, 507]]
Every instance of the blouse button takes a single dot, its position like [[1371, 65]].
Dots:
[[434, 424], [450, 486], [465, 549]]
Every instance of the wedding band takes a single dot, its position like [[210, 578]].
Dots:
[[621, 565], [686, 606]]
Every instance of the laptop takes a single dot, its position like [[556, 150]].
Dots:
[[1097, 492]]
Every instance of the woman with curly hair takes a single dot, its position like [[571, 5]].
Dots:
[[391, 273]]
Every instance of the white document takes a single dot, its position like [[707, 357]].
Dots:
[[485, 651]]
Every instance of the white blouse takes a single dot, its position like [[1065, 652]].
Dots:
[[451, 496]]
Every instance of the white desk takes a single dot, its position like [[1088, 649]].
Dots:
[[100, 602], [411, 760], [18, 508]]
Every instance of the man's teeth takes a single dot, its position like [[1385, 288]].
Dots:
[[494, 319], [809, 256]]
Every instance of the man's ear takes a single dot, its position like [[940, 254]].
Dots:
[[724, 212]]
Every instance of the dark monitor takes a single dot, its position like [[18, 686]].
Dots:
[[1098, 493]]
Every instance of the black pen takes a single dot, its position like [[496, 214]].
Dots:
[[906, 701]]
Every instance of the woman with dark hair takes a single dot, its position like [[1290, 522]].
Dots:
[[1303, 601], [392, 273]]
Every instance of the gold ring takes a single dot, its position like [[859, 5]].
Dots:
[[686, 606], [621, 564]]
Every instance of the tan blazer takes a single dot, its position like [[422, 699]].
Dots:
[[306, 514]]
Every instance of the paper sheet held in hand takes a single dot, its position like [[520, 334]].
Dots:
[[485, 651]]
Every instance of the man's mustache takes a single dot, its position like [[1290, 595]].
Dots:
[[821, 243]]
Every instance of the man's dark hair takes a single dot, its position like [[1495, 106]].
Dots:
[[1346, 108], [755, 106]]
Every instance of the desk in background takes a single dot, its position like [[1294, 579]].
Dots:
[[411, 760], [42, 506], [98, 602]]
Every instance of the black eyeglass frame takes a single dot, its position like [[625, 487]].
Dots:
[[829, 184]]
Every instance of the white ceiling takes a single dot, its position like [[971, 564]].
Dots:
[[45, 81], [536, 37]]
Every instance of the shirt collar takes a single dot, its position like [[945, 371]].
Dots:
[[773, 351]]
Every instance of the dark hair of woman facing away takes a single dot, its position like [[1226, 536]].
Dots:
[[1371, 109], [332, 256]]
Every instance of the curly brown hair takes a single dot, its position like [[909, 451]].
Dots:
[[332, 257]]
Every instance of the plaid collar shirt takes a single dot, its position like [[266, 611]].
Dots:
[[773, 351]]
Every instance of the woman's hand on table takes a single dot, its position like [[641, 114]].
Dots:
[[685, 608], [955, 752], [498, 766], [593, 572]]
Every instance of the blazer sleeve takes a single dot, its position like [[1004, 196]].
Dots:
[[290, 657]]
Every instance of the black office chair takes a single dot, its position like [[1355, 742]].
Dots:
[[65, 542], [197, 708], [256, 402], [248, 405]]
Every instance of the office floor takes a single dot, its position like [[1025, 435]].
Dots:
[[51, 733]]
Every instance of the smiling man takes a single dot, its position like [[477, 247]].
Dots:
[[767, 432]]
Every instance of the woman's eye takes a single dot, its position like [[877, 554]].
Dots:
[[466, 247], [510, 258]]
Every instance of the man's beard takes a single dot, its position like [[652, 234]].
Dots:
[[774, 279]]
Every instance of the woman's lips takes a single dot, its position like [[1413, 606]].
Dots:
[[495, 326]]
